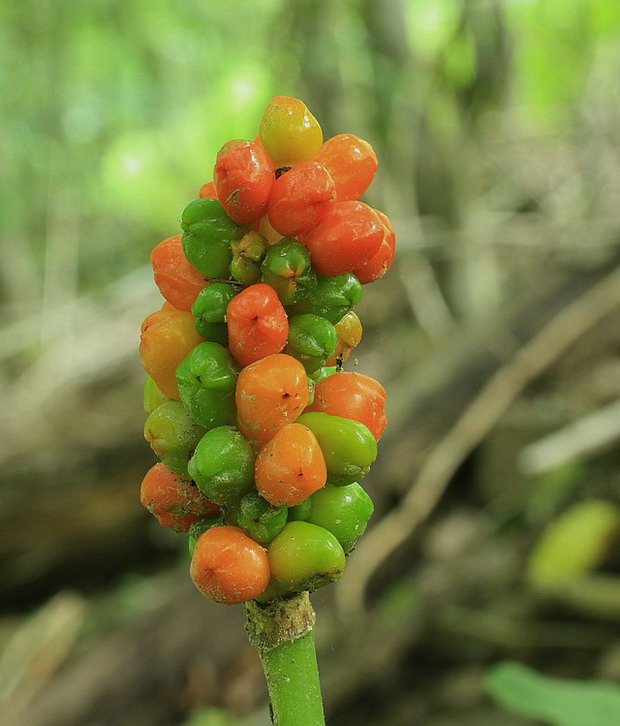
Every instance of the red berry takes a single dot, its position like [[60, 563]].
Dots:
[[257, 324], [381, 262], [347, 237], [243, 176], [299, 198]]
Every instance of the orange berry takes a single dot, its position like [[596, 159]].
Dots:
[[257, 324], [352, 163], [270, 393], [167, 336], [228, 566], [290, 467], [353, 396], [299, 198], [347, 236], [178, 281], [175, 502]]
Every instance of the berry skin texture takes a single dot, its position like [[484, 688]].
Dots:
[[228, 566], [345, 239], [305, 556], [381, 262], [354, 396], [270, 394], [288, 131], [175, 502], [243, 177], [166, 337], [352, 164], [299, 198], [178, 281], [257, 324], [290, 467]]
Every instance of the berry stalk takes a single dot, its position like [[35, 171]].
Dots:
[[283, 633]]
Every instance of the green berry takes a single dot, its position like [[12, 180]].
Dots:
[[207, 380], [343, 511], [261, 520], [305, 557], [209, 311], [288, 269], [207, 235], [223, 465], [173, 435], [348, 446], [311, 340]]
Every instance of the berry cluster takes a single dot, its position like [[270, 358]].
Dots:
[[263, 438]]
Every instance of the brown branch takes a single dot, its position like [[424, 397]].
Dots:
[[479, 417]]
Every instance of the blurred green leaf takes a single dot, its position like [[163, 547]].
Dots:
[[574, 543], [556, 702]]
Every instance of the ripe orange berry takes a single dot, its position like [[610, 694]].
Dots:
[[381, 262], [352, 163], [299, 198], [243, 176], [178, 281], [354, 396], [228, 566], [167, 336], [289, 132], [270, 394], [175, 502], [257, 324], [347, 236], [349, 330], [290, 467]]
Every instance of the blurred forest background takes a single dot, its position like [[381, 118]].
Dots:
[[496, 334]]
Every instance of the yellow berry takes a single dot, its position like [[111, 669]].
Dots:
[[289, 132]]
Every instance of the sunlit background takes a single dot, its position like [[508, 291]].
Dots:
[[496, 334]]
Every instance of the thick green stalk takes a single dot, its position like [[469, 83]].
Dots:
[[283, 633]]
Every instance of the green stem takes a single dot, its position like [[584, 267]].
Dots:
[[283, 633]]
